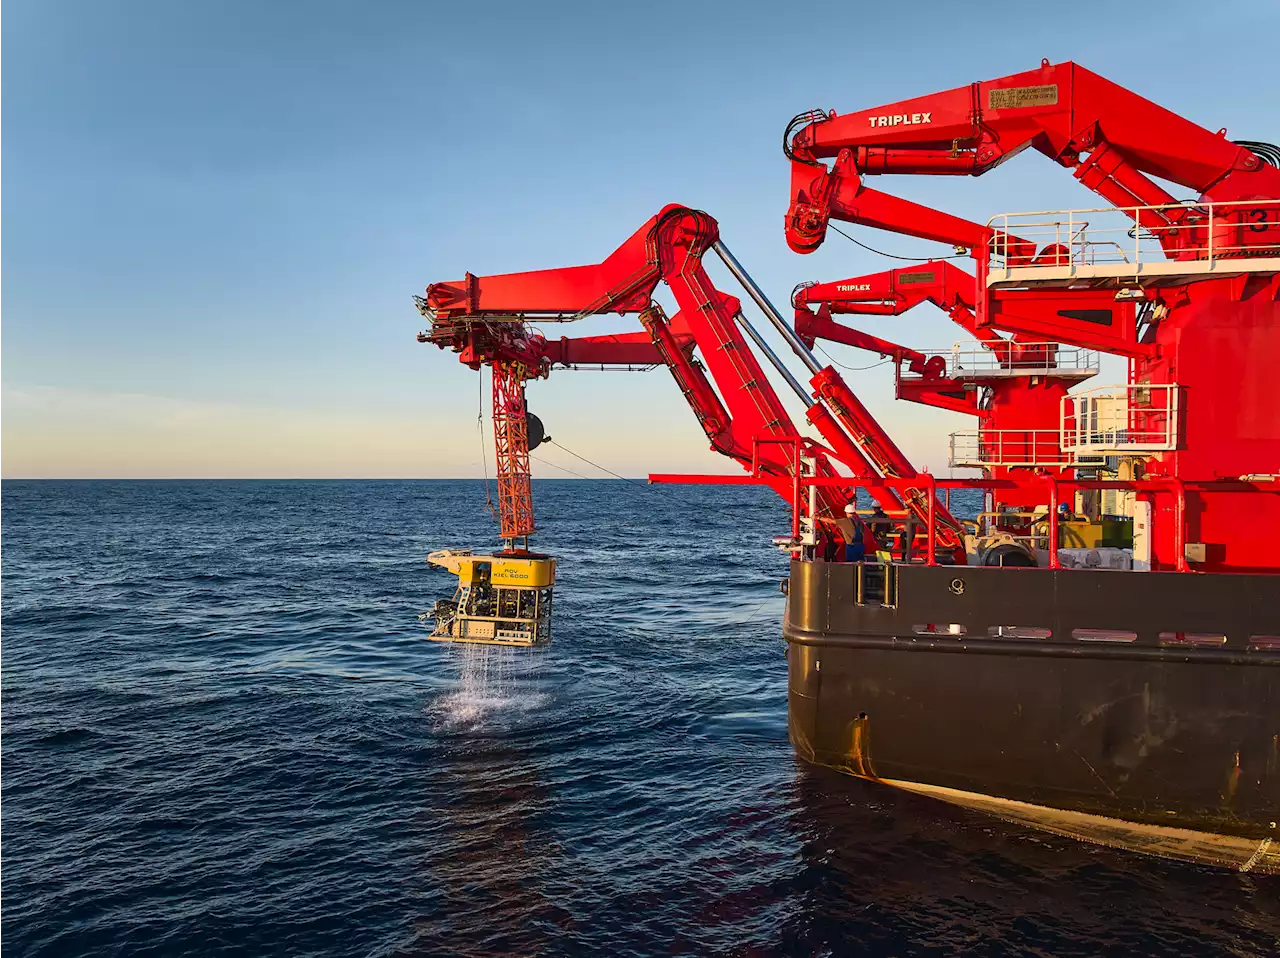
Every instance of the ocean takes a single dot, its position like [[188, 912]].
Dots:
[[224, 733]]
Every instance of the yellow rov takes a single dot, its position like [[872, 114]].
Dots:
[[500, 600]]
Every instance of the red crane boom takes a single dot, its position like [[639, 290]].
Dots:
[[1114, 139], [482, 319]]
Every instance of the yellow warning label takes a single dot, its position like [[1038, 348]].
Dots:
[[1012, 97], [910, 279]]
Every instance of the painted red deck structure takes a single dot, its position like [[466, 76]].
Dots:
[[1186, 291], [1202, 277]]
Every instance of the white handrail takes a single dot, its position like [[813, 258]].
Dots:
[[1191, 237], [978, 360], [1009, 448], [1121, 419]]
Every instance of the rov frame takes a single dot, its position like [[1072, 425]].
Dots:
[[500, 599]]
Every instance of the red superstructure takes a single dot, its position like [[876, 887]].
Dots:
[[1186, 290]]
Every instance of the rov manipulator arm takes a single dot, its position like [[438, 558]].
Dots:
[[750, 425]]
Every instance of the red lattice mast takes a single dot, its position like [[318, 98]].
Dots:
[[511, 444]]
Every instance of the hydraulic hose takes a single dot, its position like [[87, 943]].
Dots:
[[1268, 152]]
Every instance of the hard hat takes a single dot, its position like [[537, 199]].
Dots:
[[850, 509]]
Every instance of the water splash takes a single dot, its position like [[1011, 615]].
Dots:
[[493, 680]]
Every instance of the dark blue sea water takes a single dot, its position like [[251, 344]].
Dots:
[[224, 733]]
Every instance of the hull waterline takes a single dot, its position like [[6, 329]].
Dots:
[[1071, 701]]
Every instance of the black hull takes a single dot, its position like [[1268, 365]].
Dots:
[[1162, 747]]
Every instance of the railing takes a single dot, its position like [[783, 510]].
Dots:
[[1169, 489], [1121, 419], [1009, 447], [974, 360], [1136, 241]]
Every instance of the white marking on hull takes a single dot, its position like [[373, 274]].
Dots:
[[1253, 859], [1183, 844]]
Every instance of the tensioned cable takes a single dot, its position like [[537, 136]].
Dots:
[[751, 615], [554, 466], [597, 465], [855, 369], [880, 252]]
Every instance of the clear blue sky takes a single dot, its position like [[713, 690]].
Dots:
[[215, 214]]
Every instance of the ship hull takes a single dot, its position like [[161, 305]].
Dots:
[[1144, 713]]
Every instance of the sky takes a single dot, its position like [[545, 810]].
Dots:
[[215, 214]]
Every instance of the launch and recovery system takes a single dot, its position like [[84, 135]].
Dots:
[[503, 598], [1108, 620]]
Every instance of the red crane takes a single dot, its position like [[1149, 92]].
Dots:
[[1187, 290], [1114, 139], [483, 319], [1015, 391], [894, 291]]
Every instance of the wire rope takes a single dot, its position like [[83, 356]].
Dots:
[[880, 252], [546, 462], [597, 465], [855, 369]]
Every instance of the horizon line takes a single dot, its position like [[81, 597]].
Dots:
[[319, 479]]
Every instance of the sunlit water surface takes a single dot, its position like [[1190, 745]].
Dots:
[[225, 733]]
